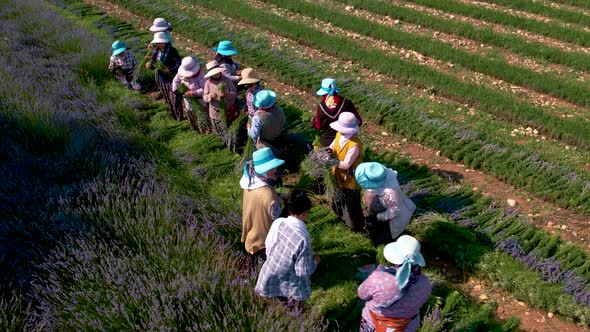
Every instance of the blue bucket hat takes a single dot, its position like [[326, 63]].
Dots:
[[328, 87], [264, 160], [225, 47], [265, 98], [371, 175], [118, 47]]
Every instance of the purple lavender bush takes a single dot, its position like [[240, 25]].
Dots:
[[92, 233]]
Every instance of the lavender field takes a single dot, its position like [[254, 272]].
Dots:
[[116, 217]]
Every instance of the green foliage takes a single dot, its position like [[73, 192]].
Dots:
[[548, 29], [482, 34], [497, 103], [528, 286], [546, 83], [458, 244]]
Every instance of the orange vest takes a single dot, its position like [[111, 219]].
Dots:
[[381, 323], [346, 178]]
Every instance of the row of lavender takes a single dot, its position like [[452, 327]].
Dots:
[[95, 233]]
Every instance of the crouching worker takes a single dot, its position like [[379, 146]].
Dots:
[[388, 211], [286, 273], [123, 64], [261, 204], [394, 294]]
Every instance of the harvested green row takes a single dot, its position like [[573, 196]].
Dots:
[[515, 165], [497, 103], [482, 34], [576, 3], [545, 10], [578, 37], [474, 252], [560, 87]]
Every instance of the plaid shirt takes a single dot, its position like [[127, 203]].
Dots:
[[288, 266], [380, 287], [127, 61]]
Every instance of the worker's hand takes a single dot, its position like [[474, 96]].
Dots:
[[316, 258], [148, 65]]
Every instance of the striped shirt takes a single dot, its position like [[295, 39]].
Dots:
[[289, 265], [381, 287]]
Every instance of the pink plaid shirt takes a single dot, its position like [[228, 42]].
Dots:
[[380, 287]]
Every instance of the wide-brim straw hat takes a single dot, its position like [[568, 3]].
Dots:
[[371, 175], [347, 124], [189, 67], [405, 248], [265, 98], [118, 47], [214, 72], [249, 76], [159, 37], [225, 47], [264, 160], [160, 25]]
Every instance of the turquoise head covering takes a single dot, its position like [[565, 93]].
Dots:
[[404, 253], [328, 87]]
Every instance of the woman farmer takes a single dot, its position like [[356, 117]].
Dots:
[[251, 81], [268, 123], [394, 294], [219, 87], [329, 109], [166, 60], [224, 52], [385, 203], [290, 262], [161, 25], [193, 79], [347, 148], [261, 204], [124, 64]]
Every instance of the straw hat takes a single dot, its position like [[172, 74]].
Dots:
[[249, 76], [225, 47], [265, 98], [370, 175], [159, 37], [160, 25], [264, 160], [189, 67], [406, 248], [347, 124], [213, 68], [118, 47]]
